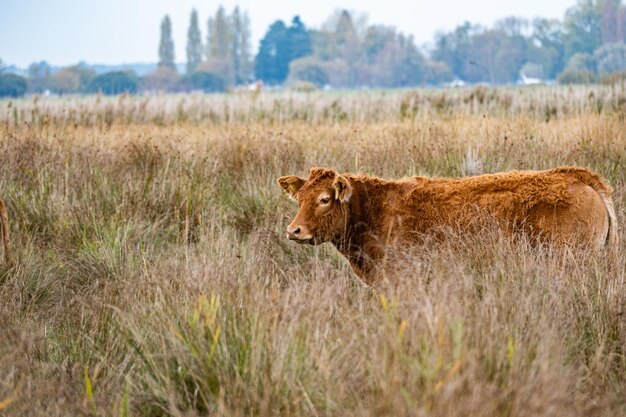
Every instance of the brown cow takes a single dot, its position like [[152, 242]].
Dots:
[[363, 215], [4, 226]]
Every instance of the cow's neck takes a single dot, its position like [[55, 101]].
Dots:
[[364, 237]]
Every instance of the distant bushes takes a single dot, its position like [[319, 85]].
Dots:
[[78, 79], [605, 66], [613, 78], [167, 79], [610, 58], [203, 80], [72, 80], [12, 85], [116, 82], [577, 76], [308, 70]]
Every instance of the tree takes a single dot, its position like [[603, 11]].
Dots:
[[375, 40], [353, 53], [582, 28], [219, 35], [398, 64], [240, 50], [72, 79], [345, 30], [65, 81], [581, 61], [349, 46], [218, 45], [340, 38], [115, 82], [272, 61], [580, 69], [12, 85], [235, 48], [577, 77], [477, 54], [609, 21], [323, 44], [621, 24], [512, 26], [38, 77], [436, 72], [339, 74], [194, 43], [610, 58], [205, 81], [245, 70], [545, 46], [166, 46], [496, 56], [308, 69], [454, 48], [299, 39], [228, 46], [162, 79], [85, 74]]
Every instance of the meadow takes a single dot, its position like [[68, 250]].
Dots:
[[153, 276]]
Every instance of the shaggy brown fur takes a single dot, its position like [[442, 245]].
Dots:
[[4, 226], [363, 215]]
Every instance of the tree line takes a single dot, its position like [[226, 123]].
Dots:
[[69, 80], [587, 45], [345, 52]]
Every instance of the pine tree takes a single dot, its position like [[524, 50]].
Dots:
[[299, 40], [166, 46], [194, 43], [272, 61]]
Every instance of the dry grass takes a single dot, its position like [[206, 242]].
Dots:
[[153, 277]]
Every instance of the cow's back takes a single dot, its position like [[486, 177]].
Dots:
[[561, 204]]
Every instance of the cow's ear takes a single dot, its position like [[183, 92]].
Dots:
[[343, 189], [291, 184]]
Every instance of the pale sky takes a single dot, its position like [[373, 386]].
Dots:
[[64, 32]]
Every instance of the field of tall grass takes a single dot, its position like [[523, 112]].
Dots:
[[153, 276]]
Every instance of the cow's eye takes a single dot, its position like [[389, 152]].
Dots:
[[324, 201]]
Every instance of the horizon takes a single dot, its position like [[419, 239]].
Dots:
[[107, 39]]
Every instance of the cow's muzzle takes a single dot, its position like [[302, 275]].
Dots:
[[298, 234]]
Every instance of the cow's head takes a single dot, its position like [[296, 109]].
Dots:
[[323, 199]]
